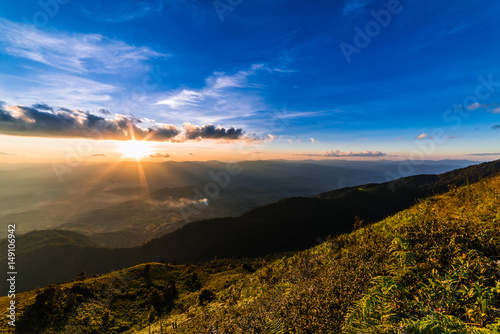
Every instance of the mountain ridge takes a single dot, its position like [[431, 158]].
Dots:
[[287, 225]]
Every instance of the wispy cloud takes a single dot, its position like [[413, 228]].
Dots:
[[46, 121], [353, 6], [73, 52], [491, 107], [224, 96], [216, 84], [59, 89], [482, 154], [496, 127], [120, 11], [423, 136], [159, 155], [337, 153], [182, 98]]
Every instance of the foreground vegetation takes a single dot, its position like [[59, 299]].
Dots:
[[434, 268]]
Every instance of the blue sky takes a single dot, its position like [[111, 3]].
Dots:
[[427, 75]]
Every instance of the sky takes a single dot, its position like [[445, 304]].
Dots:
[[241, 79]]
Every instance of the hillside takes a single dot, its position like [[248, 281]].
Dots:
[[288, 225], [433, 268]]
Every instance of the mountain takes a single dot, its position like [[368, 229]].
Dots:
[[290, 224], [298, 223], [432, 268], [115, 206]]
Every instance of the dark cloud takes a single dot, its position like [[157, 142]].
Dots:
[[193, 132], [165, 131], [337, 153], [41, 120], [159, 155], [495, 127], [105, 111], [42, 106]]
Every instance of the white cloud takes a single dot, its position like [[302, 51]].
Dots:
[[54, 89], [72, 52], [222, 98], [182, 98]]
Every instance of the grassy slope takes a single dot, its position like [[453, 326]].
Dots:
[[433, 268]]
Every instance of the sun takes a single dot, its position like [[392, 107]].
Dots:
[[135, 149]]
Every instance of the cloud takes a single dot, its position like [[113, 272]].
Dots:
[[58, 89], [210, 132], [270, 138], [474, 106], [353, 6], [214, 87], [184, 97], [313, 140], [240, 79], [42, 106], [423, 136], [159, 155], [105, 111], [67, 123], [4, 153], [427, 136], [72, 52], [178, 202], [491, 107], [337, 153], [120, 11], [225, 96], [482, 154], [98, 155], [495, 127]]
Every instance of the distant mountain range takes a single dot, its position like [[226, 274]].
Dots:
[[109, 204], [290, 224]]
